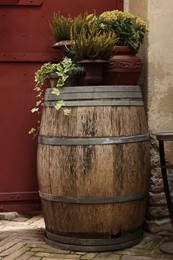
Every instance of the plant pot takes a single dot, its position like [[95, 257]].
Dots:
[[61, 45], [93, 72], [124, 67], [72, 80], [53, 78]]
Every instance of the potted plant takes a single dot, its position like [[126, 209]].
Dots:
[[61, 27], [124, 67], [59, 75], [130, 29], [92, 47]]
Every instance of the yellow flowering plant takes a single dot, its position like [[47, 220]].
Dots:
[[130, 29]]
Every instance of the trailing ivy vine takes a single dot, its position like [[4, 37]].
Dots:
[[62, 70]]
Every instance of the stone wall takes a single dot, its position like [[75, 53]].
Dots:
[[157, 86]]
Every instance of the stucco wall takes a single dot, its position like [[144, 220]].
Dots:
[[160, 65], [160, 60], [157, 86], [140, 8], [160, 100]]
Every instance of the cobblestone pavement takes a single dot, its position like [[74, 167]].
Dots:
[[22, 238]]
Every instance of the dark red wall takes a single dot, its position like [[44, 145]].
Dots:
[[25, 44]]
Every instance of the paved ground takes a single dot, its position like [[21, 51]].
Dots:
[[22, 238]]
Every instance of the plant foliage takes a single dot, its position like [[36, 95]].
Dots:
[[91, 43], [62, 70], [62, 25], [130, 29]]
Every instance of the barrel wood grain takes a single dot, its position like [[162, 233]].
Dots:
[[99, 170]]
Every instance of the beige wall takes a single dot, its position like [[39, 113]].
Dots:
[[160, 65], [157, 86], [158, 68], [140, 8]]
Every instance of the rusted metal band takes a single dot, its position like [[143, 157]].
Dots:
[[93, 200], [116, 244], [93, 95], [96, 96], [53, 140], [93, 103], [65, 238], [96, 89]]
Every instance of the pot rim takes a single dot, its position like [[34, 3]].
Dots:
[[125, 49]]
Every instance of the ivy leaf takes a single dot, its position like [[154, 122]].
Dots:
[[37, 88], [60, 82], [38, 103], [39, 95], [34, 109], [67, 111], [59, 104], [55, 91], [32, 131]]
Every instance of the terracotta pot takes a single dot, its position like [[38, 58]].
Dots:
[[61, 44], [71, 81], [53, 78], [124, 67], [93, 72]]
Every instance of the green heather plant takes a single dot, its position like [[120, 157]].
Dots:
[[90, 42], [62, 25], [62, 70], [130, 29]]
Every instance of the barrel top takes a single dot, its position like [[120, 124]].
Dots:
[[165, 136], [95, 94], [102, 88]]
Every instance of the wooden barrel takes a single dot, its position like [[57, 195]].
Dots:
[[94, 167]]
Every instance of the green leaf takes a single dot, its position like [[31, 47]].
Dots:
[[34, 109], [55, 91], [37, 88], [59, 104], [60, 82], [39, 95], [32, 131], [38, 103], [67, 111]]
